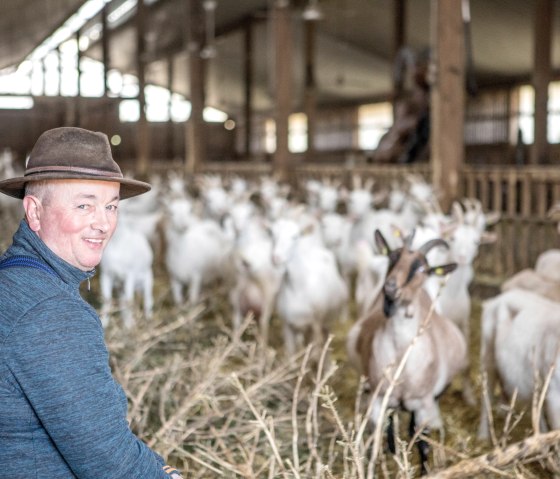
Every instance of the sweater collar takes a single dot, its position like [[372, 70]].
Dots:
[[27, 242]]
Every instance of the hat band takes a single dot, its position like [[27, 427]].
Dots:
[[72, 169]]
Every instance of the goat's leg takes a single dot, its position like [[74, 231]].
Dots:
[[422, 445], [127, 302], [235, 302], [148, 294], [487, 364], [177, 291], [106, 284], [552, 404], [289, 339], [264, 318], [194, 289], [391, 443], [467, 385]]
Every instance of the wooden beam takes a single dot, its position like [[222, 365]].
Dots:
[[105, 52], [142, 131], [447, 98], [310, 99], [195, 138], [541, 77], [248, 58], [283, 54]]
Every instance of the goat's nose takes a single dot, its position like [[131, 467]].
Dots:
[[390, 287]]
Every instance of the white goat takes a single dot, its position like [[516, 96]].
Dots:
[[521, 337], [198, 251], [543, 279], [256, 278], [127, 264], [312, 293], [464, 234], [402, 321]]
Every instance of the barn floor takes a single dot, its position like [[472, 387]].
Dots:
[[461, 420], [225, 405]]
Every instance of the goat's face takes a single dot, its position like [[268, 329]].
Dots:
[[408, 270], [285, 234]]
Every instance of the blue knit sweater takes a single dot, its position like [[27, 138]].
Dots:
[[62, 415]]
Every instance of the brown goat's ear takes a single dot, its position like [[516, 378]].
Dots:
[[381, 243], [442, 270]]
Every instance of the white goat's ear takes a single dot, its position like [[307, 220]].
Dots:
[[442, 270], [488, 237], [457, 212], [492, 217]]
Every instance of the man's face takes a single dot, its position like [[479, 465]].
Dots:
[[77, 218]]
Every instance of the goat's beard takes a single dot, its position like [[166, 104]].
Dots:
[[389, 306]]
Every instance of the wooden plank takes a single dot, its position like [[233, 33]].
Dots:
[[447, 98], [542, 56], [283, 55], [195, 147]]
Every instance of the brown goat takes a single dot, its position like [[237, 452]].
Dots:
[[403, 321]]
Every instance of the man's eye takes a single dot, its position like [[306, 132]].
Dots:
[[112, 207], [82, 207]]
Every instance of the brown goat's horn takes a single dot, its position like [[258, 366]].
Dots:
[[426, 247]]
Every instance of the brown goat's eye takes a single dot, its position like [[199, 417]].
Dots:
[[394, 257], [417, 266]]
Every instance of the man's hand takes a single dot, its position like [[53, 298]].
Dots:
[[173, 473]]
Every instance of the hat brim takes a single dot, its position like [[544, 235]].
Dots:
[[15, 187]]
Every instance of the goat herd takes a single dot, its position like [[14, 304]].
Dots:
[[304, 257]]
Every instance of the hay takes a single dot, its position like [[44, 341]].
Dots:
[[221, 404]]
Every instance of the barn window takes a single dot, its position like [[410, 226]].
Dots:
[[374, 120], [297, 137], [554, 112]]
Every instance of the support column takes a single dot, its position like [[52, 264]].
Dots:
[[142, 132], [283, 51], [541, 77], [170, 131], [310, 99], [77, 104], [195, 135], [249, 80], [106, 56], [447, 98]]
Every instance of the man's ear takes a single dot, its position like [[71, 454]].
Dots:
[[33, 209]]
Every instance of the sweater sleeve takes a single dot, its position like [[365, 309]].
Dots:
[[60, 361]]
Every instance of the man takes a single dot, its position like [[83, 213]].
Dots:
[[62, 415]]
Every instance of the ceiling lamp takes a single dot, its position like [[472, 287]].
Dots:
[[312, 11]]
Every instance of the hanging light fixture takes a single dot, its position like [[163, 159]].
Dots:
[[312, 11], [209, 50]]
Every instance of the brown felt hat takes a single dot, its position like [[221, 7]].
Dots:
[[72, 153]]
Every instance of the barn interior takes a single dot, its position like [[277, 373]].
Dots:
[[463, 94]]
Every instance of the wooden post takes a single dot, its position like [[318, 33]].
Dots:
[[195, 147], [249, 79], [283, 47], [310, 100], [447, 98], [399, 41], [77, 104], [106, 55], [170, 132], [142, 132], [541, 77]]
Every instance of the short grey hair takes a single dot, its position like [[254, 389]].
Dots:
[[40, 189]]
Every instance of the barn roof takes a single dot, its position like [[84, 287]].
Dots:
[[354, 52]]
